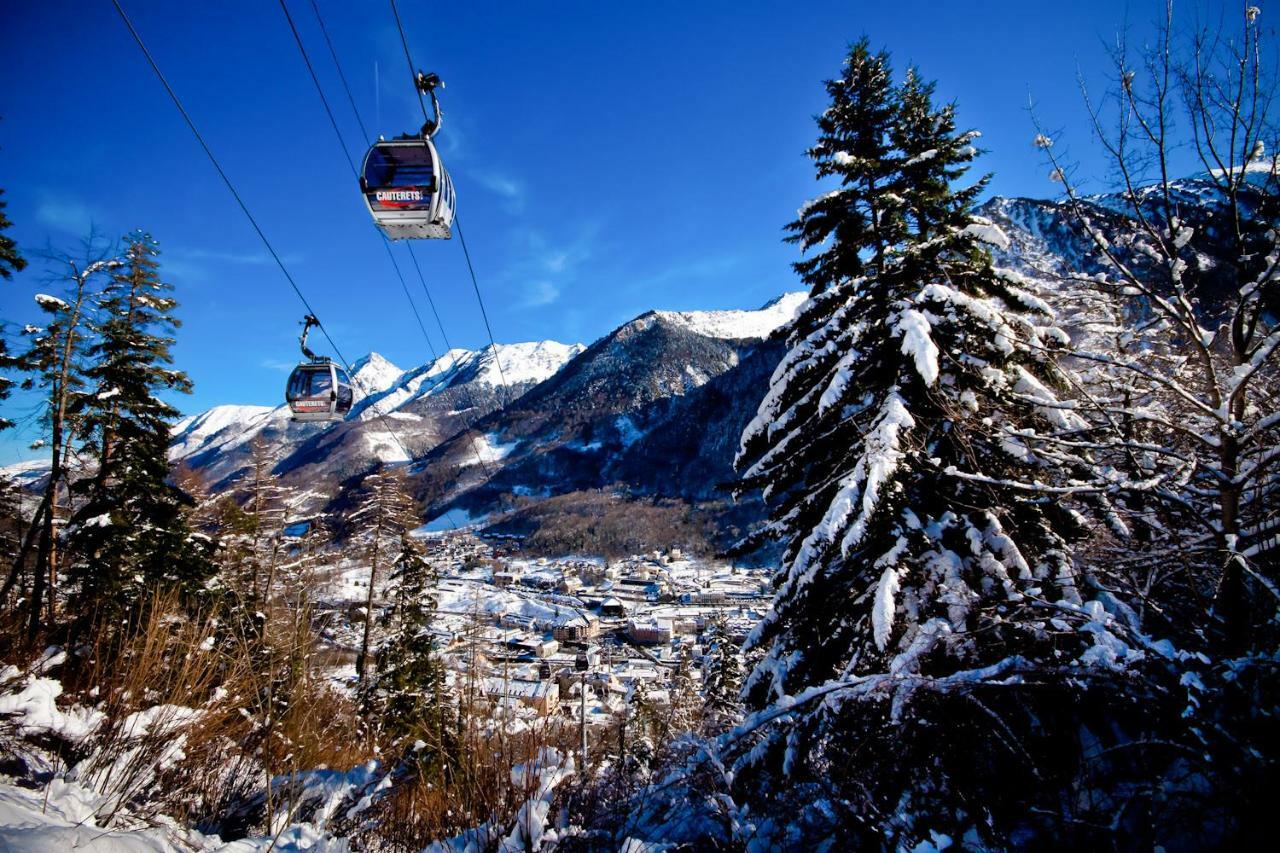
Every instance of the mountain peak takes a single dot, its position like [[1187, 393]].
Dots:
[[739, 324], [374, 373], [530, 361]]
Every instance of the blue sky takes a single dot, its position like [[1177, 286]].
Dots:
[[609, 157]]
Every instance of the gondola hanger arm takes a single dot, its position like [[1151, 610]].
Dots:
[[427, 85], [307, 322]]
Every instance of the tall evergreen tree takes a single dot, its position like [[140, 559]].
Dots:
[[410, 691], [722, 680], [384, 514], [54, 362], [898, 447], [254, 522], [11, 261], [683, 703], [131, 531]]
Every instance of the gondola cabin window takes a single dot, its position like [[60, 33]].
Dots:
[[400, 177]]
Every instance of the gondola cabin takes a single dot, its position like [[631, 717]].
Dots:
[[407, 190], [319, 391]]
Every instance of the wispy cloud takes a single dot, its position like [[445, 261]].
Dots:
[[544, 269], [282, 366], [511, 191], [688, 271], [65, 214], [219, 255], [200, 264], [539, 293]]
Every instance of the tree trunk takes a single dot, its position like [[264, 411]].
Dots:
[[28, 540], [362, 662]]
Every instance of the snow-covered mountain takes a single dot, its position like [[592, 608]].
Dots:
[[373, 374], [223, 428], [656, 403], [422, 406], [494, 367], [739, 325]]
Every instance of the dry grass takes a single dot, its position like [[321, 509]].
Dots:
[[478, 789], [216, 719], [156, 688], [204, 714]]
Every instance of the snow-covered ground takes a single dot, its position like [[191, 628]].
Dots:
[[60, 818], [487, 449], [385, 446]]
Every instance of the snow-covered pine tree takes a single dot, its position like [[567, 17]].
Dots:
[[682, 698], [637, 740], [264, 506], [7, 363], [130, 532], [257, 565], [54, 363], [864, 215], [722, 679], [897, 448]]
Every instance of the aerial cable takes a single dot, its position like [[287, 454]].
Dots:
[[413, 70], [316, 80], [214, 160], [350, 162], [475, 284], [430, 301], [386, 243], [422, 279], [405, 287], [177, 102], [364, 134], [356, 112]]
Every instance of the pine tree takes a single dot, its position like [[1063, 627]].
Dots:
[[54, 364], [637, 743], [11, 261], [722, 682], [683, 703], [255, 521], [384, 514], [7, 363], [898, 448], [864, 214], [131, 532], [413, 702]]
